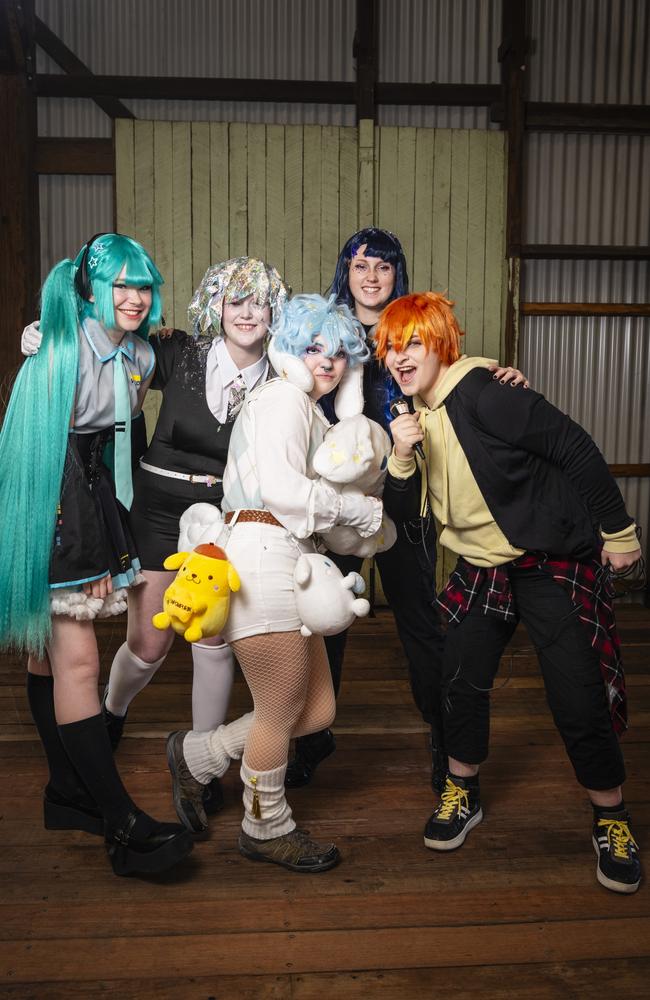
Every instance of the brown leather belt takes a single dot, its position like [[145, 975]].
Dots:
[[261, 516]]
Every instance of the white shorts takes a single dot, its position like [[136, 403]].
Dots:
[[265, 556]]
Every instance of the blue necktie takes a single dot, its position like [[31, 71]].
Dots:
[[123, 476]]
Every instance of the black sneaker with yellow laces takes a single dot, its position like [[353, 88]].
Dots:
[[619, 866], [458, 812]]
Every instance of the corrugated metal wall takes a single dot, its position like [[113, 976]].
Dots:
[[592, 189], [421, 40]]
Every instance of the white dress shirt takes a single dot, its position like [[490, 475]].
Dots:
[[221, 372]]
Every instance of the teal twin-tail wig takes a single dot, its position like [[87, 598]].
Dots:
[[34, 434]]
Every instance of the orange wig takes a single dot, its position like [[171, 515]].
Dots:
[[426, 315]]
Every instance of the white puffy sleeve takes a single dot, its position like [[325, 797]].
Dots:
[[284, 426]]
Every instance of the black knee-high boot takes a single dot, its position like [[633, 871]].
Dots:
[[135, 841], [67, 804]]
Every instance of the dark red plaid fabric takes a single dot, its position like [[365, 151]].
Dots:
[[589, 586]]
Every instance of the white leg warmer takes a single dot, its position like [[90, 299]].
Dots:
[[129, 675], [267, 813], [214, 669], [208, 755]]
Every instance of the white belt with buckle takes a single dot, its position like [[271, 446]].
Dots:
[[208, 480]]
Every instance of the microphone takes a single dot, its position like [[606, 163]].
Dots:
[[397, 408]]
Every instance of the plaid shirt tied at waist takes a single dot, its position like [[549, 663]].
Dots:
[[589, 587]]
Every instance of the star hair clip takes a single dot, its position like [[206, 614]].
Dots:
[[98, 250]]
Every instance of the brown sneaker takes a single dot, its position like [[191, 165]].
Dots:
[[294, 851], [186, 790]]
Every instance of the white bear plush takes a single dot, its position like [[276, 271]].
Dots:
[[352, 458], [200, 523], [326, 599]]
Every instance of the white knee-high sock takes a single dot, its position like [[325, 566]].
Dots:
[[267, 813], [214, 669], [129, 675], [208, 755]]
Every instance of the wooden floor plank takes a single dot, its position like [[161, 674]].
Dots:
[[394, 919]]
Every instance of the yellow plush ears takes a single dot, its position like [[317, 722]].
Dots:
[[233, 578], [176, 560]]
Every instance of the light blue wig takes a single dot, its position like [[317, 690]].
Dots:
[[107, 255], [34, 436], [306, 316]]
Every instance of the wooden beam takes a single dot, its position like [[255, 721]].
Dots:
[[512, 55], [19, 220], [585, 308], [631, 470], [75, 156], [574, 251], [628, 118], [543, 116], [442, 94], [236, 89], [197, 89], [68, 61], [364, 51]]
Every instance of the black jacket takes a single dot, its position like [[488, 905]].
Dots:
[[543, 479]]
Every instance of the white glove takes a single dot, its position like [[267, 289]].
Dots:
[[31, 339]]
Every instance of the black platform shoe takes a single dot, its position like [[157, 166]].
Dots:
[[163, 846], [310, 751], [114, 723], [213, 797], [78, 812]]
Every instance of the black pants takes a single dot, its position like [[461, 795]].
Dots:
[[408, 576], [570, 668]]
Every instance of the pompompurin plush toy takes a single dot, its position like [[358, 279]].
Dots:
[[197, 602]]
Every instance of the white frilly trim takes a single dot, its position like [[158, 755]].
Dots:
[[75, 604]]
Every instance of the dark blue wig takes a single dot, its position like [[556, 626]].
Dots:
[[379, 243]]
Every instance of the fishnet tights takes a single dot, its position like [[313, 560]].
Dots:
[[289, 679]]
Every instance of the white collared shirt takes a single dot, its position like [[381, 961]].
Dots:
[[94, 408], [221, 372]]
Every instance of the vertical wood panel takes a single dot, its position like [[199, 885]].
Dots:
[[256, 242], [219, 192], [143, 173], [311, 209], [200, 200], [420, 262], [441, 210], [329, 199], [124, 176], [405, 190], [474, 319], [293, 206], [459, 203], [387, 215], [494, 246], [238, 205], [275, 215], [182, 219], [349, 170]]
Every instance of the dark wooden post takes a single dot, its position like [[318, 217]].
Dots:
[[512, 55], [365, 53], [19, 221]]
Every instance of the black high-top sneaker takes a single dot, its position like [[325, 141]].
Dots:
[[458, 811], [619, 866]]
